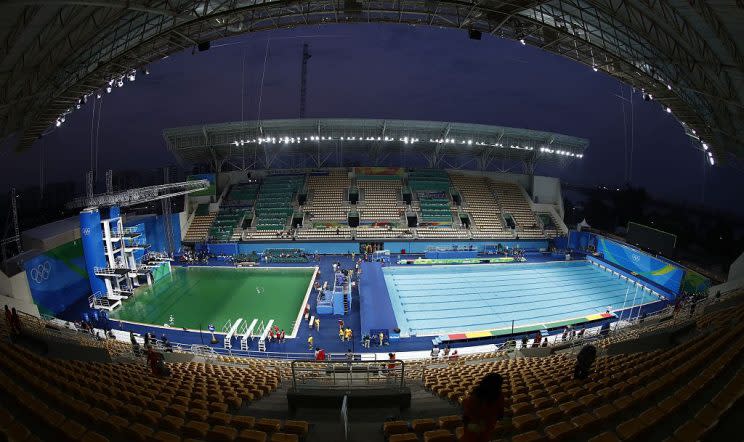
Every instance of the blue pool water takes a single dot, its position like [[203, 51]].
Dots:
[[459, 298]]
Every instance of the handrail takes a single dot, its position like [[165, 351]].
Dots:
[[328, 370]]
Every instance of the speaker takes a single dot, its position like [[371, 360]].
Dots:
[[474, 34], [204, 46]]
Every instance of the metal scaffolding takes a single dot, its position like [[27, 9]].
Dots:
[[686, 55]]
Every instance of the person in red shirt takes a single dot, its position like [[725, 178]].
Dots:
[[482, 409], [320, 355]]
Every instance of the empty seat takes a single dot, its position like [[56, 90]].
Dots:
[[423, 425], [299, 428], [221, 433], [403, 437], [268, 425], [394, 427], [439, 436], [251, 436]]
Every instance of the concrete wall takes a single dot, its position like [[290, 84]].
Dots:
[[15, 292], [736, 271]]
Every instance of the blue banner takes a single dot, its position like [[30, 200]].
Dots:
[[655, 270], [58, 278]]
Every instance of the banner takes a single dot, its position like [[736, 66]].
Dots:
[[209, 191], [57, 278], [379, 171], [655, 270], [694, 282]]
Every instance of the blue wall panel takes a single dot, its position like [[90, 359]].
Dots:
[[655, 270], [92, 237]]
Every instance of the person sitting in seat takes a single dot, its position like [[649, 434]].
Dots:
[[482, 409]]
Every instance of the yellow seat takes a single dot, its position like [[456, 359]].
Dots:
[[439, 436], [561, 431], [195, 429], [394, 427], [92, 436], [251, 436], [449, 422], [268, 425], [163, 436], [525, 422], [549, 415], [530, 436], [607, 436], [423, 425], [403, 437], [221, 433], [585, 421], [284, 437], [299, 428], [72, 430]]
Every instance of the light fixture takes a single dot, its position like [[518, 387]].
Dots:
[[120, 83], [62, 119], [705, 146], [58, 123], [595, 68], [669, 86], [712, 161], [98, 95], [521, 40], [669, 110]]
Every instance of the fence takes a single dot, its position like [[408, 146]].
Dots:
[[344, 375]]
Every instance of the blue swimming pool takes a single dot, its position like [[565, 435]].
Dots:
[[459, 298]]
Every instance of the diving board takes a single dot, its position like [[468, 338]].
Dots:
[[247, 335], [262, 339], [231, 333]]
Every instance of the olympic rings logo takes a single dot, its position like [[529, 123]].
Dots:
[[41, 272], [85, 231], [636, 258]]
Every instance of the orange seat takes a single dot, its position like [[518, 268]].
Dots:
[[221, 433], [394, 427], [403, 437], [439, 436], [530, 436], [251, 436], [284, 437], [423, 425], [561, 431]]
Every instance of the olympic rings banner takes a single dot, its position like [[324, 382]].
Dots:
[[655, 270], [58, 278]]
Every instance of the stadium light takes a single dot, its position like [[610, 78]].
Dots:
[[521, 40], [669, 110], [595, 68], [62, 119], [705, 146], [669, 86], [108, 89], [58, 123], [98, 95]]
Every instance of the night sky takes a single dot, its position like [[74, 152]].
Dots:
[[386, 71]]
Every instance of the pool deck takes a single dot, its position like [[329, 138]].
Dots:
[[327, 337]]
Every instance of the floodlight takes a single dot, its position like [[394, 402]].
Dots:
[[669, 110], [58, 123], [521, 40]]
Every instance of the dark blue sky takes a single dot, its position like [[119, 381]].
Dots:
[[386, 71]]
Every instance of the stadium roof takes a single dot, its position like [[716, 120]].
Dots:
[[688, 55], [337, 142]]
